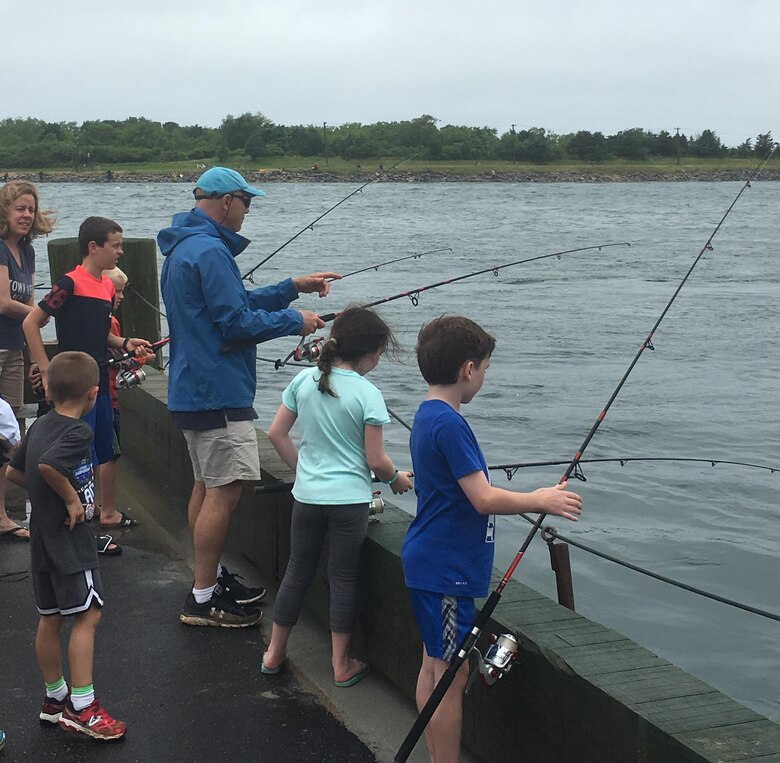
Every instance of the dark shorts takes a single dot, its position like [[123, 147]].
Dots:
[[443, 621], [101, 420], [67, 594]]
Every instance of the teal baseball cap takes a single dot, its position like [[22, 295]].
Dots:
[[221, 180]]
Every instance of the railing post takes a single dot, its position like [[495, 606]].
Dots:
[[561, 566]]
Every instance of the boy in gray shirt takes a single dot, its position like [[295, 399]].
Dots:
[[54, 464]]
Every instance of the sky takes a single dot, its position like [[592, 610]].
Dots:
[[564, 65]]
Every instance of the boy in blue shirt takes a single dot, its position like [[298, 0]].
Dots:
[[447, 554]]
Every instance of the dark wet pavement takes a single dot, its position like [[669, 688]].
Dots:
[[186, 693]]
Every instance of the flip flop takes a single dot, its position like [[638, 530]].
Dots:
[[13, 534], [271, 671], [355, 679], [104, 543], [122, 524]]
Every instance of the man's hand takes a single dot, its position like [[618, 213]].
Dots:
[[315, 282], [311, 322]]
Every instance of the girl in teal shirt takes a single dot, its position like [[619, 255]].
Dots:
[[340, 416]]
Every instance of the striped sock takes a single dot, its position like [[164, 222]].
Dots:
[[58, 690], [82, 696]]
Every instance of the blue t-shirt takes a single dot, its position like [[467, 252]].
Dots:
[[332, 466], [20, 281], [448, 548]]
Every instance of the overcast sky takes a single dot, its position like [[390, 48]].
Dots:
[[559, 64]]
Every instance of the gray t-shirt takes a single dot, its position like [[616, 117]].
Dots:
[[20, 283], [65, 444]]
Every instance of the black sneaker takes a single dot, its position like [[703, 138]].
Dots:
[[238, 592], [51, 710], [220, 611]]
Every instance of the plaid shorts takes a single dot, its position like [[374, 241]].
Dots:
[[443, 621]]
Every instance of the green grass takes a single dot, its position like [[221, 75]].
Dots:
[[339, 166]]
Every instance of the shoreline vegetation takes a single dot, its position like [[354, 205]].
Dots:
[[421, 149], [416, 171]]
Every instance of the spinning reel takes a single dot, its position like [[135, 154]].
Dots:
[[307, 351], [498, 659], [130, 374]]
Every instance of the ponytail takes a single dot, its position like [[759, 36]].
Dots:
[[356, 332], [325, 362]]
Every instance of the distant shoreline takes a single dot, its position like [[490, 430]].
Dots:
[[397, 176]]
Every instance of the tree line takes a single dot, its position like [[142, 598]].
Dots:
[[37, 144]]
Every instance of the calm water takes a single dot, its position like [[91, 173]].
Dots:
[[566, 332]]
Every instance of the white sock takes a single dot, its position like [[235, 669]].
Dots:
[[202, 595], [220, 568], [82, 697]]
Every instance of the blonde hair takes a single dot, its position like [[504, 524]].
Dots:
[[117, 277], [43, 222]]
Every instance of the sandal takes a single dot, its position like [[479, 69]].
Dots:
[[104, 545], [122, 524], [271, 671], [13, 534]]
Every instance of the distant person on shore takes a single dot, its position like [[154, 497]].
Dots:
[[340, 415], [21, 221], [211, 393], [81, 303], [447, 554], [54, 465]]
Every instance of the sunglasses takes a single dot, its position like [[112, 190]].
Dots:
[[245, 200]]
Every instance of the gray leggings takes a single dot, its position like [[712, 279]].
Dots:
[[345, 526]]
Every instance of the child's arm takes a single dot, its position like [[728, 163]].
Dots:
[[129, 344], [31, 326], [60, 484], [379, 462], [487, 499], [279, 435], [16, 476]]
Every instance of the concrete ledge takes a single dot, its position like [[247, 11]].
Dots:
[[581, 691]]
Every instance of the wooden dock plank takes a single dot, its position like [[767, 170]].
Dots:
[[677, 715], [758, 740], [648, 684]]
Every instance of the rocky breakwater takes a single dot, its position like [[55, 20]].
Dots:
[[408, 176]]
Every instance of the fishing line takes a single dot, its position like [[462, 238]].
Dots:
[[487, 610], [550, 534], [413, 294], [248, 276]]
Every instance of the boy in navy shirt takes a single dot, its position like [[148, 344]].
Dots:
[[447, 553], [81, 303]]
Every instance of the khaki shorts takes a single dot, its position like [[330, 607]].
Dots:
[[222, 456], [12, 377]]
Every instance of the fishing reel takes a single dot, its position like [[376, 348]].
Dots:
[[130, 374], [376, 506], [307, 351], [497, 661]]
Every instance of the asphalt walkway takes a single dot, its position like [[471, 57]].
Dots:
[[186, 693]]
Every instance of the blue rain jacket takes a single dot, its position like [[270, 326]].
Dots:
[[208, 308]]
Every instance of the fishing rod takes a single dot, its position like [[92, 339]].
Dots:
[[414, 256], [414, 294], [511, 469], [248, 276], [125, 356], [484, 614], [308, 349]]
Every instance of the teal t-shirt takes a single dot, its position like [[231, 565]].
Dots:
[[332, 466]]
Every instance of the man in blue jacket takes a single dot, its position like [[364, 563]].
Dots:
[[211, 394]]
